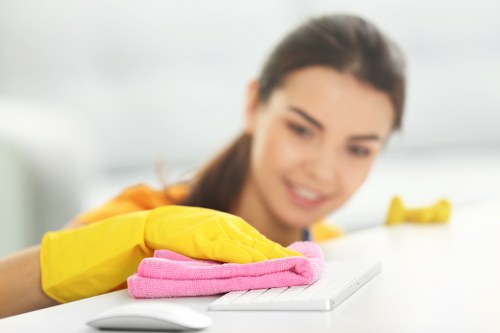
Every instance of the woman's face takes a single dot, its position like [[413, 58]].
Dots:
[[314, 142]]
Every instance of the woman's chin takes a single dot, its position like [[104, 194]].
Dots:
[[298, 221]]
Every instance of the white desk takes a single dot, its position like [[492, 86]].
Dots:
[[433, 279]]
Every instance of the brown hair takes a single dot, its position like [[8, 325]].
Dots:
[[346, 43]]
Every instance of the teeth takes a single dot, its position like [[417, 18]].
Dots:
[[306, 193]]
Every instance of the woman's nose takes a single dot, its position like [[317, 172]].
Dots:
[[324, 166]]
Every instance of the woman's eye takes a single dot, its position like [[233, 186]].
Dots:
[[300, 130], [359, 151]]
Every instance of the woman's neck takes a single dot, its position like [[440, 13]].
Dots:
[[252, 209]]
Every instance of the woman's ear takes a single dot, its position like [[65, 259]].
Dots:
[[251, 106]]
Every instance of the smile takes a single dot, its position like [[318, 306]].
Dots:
[[305, 197], [305, 193]]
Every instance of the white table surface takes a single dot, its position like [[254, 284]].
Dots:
[[433, 279]]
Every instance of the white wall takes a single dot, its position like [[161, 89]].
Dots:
[[165, 79]]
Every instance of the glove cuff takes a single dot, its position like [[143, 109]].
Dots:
[[93, 259]]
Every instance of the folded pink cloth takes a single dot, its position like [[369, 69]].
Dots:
[[169, 274]]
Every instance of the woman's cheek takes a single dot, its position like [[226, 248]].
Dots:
[[289, 152], [356, 174]]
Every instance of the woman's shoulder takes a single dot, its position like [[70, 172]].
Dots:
[[150, 198], [323, 231], [135, 198]]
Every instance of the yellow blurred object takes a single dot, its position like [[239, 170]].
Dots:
[[438, 213], [98, 258], [322, 231]]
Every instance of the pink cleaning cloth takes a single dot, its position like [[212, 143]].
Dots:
[[169, 274]]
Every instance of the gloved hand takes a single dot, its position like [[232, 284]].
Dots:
[[398, 213], [97, 258]]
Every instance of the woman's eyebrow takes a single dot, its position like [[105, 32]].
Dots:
[[306, 116], [366, 137]]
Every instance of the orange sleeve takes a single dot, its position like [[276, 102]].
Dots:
[[139, 197]]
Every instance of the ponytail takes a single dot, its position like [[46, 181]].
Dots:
[[219, 184]]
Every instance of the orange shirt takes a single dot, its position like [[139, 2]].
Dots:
[[142, 197]]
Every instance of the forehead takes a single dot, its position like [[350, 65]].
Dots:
[[337, 98]]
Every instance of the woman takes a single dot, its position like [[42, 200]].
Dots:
[[323, 108]]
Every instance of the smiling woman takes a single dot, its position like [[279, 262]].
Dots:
[[323, 107], [316, 118], [313, 144]]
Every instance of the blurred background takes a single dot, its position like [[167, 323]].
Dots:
[[95, 93]]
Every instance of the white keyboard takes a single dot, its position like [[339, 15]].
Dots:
[[338, 282]]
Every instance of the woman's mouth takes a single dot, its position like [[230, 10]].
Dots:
[[305, 197], [305, 193]]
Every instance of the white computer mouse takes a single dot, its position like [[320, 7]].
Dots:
[[151, 316]]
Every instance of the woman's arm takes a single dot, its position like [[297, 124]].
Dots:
[[97, 258], [20, 283]]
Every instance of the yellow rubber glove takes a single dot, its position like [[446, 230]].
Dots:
[[97, 258], [437, 213]]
